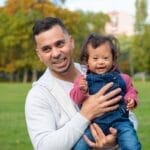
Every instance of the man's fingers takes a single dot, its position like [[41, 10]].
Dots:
[[112, 93], [112, 137], [100, 139], [111, 108], [105, 89], [113, 131], [89, 142], [112, 102], [96, 132], [98, 136]]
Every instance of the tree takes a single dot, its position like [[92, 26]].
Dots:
[[141, 47], [141, 51], [125, 56], [141, 15]]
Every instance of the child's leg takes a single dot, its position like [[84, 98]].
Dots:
[[127, 137]]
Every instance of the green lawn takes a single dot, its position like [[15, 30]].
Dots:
[[13, 134], [143, 112]]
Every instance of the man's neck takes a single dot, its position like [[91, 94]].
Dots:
[[70, 75]]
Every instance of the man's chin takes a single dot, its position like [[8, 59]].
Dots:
[[62, 70]]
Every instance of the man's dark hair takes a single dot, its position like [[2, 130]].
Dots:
[[96, 40], [46, 24]]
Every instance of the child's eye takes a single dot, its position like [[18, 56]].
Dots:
[[106, 58], [95, 58]]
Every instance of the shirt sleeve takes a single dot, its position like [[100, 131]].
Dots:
[[131, 90], [42, 120]]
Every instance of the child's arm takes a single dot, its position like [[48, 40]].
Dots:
[[80, 90], [131, 96]]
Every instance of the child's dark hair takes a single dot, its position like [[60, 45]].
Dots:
[[95, 40]]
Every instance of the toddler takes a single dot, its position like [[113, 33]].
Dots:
[[99, 54]]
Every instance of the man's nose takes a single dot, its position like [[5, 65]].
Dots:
[[55, 52]]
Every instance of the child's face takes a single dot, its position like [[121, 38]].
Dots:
[[100, 59]]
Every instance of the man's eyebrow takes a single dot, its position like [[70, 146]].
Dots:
[[60, 41]]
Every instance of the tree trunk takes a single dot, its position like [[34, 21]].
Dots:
[[17, 76], [25, 75], [34, 75]]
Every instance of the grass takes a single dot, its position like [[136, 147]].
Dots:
[[12, 122], [142, 113]]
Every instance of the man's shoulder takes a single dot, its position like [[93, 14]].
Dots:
[[46, 80]]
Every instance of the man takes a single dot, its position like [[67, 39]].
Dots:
[[54, 122]]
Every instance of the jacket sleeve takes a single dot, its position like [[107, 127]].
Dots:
[[76, 94], [131, 90], [43, 122]]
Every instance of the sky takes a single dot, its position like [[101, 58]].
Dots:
[[105, 6], [127, 6]]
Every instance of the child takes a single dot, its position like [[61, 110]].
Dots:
[[99, 54]]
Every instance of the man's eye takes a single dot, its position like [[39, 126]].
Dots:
[[46, 49], [60, 44]]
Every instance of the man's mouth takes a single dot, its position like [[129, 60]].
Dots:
[[59, 61]]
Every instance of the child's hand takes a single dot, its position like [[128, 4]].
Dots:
[[83, 85], [130, 104]]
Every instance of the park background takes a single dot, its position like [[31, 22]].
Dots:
[[19, 66]]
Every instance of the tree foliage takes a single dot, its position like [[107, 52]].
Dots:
[[141, 46], [141, 14], [142, 51]]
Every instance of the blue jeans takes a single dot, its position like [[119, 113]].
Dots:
[[126, 135]]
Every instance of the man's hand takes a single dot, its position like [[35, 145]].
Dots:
[[101, 140], [100, 103]]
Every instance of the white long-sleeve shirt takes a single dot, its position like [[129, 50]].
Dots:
[[53, 121]]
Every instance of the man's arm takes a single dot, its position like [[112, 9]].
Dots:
[[44, 118]]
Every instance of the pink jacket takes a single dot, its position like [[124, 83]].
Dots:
[[78, 96]]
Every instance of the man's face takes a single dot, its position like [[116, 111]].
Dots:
[[55, 48]]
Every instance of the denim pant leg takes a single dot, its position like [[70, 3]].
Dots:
[[127, 137]]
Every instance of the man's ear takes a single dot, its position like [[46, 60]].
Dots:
[[72, 42], [38, 54]]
